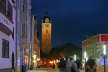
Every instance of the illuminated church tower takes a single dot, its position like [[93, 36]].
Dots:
[[46, 34]]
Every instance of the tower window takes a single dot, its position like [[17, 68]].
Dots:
[[46, 30]]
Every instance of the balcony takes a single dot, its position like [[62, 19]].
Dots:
[[5, 29], [5, 25]]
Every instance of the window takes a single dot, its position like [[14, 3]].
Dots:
[[5, 48], [47, 25], [6, 8], [23, 30], [46, 30], [9, 12], [3, 6], [23, 8]]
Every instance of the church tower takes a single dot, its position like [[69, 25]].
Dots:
[[46, 34]]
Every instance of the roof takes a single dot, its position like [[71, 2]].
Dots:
[[46, 17], [96, 38]]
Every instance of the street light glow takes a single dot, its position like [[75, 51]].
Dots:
[[38, 59], [104, 49], [74, 57], [34, 56]]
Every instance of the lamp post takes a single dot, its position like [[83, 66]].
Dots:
[[104, 52], [85, 55]]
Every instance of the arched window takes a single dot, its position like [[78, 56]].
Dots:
[[46, 30]]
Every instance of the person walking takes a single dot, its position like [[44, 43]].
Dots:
[[71, 65], [53, 66], [62, 65], [78, 65], [90, 65]]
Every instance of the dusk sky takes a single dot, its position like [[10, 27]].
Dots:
[[72, 19]]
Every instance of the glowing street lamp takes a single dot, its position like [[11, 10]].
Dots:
[[75, 57], [34, 56], [57, 61], [104, 49], [104, 52], [38, 59], [85, 55]]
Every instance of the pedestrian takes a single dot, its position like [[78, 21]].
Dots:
[[90, 65], [78, 65], [71, 66], [62, 65], [23, 68], [53, 66]]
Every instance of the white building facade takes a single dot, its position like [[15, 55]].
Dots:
[[23, 33], [7, 35]]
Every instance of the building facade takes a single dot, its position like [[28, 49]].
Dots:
[[93, 46], [46, 34], [35, 44], [23, 42], [7, 35]]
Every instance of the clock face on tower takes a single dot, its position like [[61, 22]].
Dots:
[[47, 20]]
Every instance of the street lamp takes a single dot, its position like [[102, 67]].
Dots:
[[85, 55], [75, 57], [104, 52]]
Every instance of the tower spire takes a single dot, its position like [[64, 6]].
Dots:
[[46, 13]]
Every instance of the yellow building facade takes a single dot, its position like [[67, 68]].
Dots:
[[46, 34]]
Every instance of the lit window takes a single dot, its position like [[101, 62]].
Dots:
[[46, 30]]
